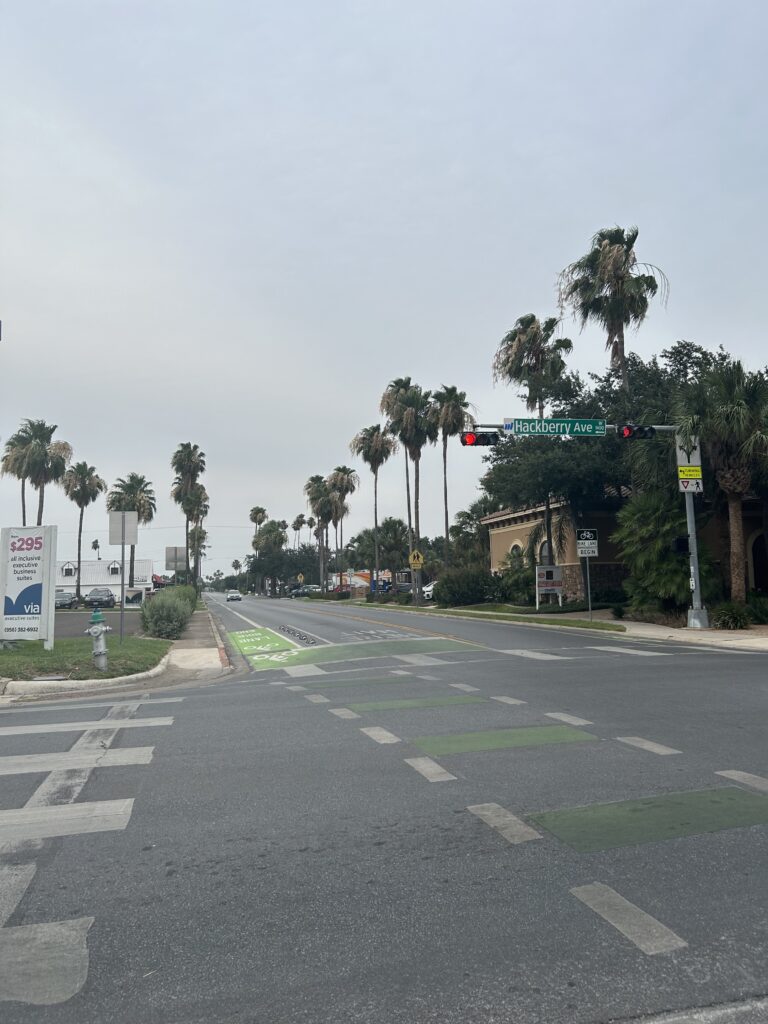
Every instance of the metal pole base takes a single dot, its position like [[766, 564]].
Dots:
[[698, 618]]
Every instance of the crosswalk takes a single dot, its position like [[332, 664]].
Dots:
[[47, 963]]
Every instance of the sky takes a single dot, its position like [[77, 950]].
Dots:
[[234, 223]]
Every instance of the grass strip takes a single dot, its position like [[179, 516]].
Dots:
[[72, 657]]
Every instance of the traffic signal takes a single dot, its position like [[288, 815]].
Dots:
[[476, 439], [633, 432]]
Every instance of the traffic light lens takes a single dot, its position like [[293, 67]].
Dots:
[[626, 431], [470, 438]]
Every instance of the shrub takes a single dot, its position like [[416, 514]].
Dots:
[[343, 595], [515, 585], [404, 598], [757, 605], [463, 586], [188, 594], [617, 611], [168, 613], [731, 615]]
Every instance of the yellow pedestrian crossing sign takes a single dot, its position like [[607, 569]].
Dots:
[[416, 560], [300, 577]]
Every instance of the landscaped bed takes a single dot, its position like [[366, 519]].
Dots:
[[72, 658]]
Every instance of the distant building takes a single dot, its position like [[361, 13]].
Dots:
[[104, 572]]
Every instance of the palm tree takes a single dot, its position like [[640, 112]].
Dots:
[[188, 463], [390, 405], [133, 494], [83, 486], [198, 547], [728, 411], [95, 546], [14, 461], [320, 501], [416, 426], [453, 416], [374, 446], [195, 506], [258, 516], [610, 287], [36, 457], [296, 526], [237, 566], [310, 523], [530, 355], [344, 481]]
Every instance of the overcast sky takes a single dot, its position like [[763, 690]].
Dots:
[[233, 223]]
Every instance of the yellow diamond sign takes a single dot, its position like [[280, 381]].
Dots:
[[416, 560]]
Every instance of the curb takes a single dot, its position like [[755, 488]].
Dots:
[[223, 656], [30, 686]]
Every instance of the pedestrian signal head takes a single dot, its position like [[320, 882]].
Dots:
[[633, 431], [475, 439]]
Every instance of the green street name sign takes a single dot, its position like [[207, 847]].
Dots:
[[547, 428]]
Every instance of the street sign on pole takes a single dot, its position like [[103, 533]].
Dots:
[[554, 428], [416, 560], [549, 580], [586, 543], [128, 521], [690, 482], [689, 475], [175, 559]]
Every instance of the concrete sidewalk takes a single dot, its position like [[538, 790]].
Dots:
[[199, 655]]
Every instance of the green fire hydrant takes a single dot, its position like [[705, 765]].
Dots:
[[98, 630]]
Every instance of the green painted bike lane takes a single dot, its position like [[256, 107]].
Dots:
[[273, 651]]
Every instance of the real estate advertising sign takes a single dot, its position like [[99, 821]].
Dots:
[[28, 582]]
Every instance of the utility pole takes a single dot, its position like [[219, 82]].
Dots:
[[690, 482]]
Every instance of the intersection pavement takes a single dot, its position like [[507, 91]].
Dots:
[[381, 819]]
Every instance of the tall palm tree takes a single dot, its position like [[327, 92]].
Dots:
[[320, 501], [728, 411], [531, 356], [82, 485], [39, 458], [14, 461], [258, 516], [195, 507], [416, 427], [95, 546], [237, 566], [344, 481], [133, 494], [188, 463], [198, 547], [374, 446], [310, 522], [390, 405], [296, 526], [609, 287], [453, 416]]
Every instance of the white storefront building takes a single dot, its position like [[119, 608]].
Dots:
[[104, 573]]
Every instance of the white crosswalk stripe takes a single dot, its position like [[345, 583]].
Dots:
[[538, 655], [633, 651], [47, 963]]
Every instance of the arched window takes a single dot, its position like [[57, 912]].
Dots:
[[68, 569], [114, 568]]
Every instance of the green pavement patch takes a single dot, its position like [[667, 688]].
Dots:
[[497, 739], [320, 684], [351, 652], [260, 641], [631, 822], [423, 702]]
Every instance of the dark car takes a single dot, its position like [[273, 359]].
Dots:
[[65, 600], [100, 597]]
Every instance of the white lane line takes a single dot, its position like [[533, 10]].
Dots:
[[465, 687], [755, 781], [304, 670], [654, 748], [430, 769], [104, 723], [380, 735], [568, 719], [64, 820], [632, 650], [44, 964], [504, 822], [277, 682], [344, 713], [509, 700], [399, 672], [648, 934], [40, 708], [418, 659], [297, 689], [538, 655], [43, 763], [432, 679], [317, 698]]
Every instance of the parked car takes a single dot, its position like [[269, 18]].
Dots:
[[309, 588], [234, 595], [64, 599], [428, 591], [99, 597]]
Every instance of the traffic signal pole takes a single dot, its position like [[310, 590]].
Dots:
[[697, 615]]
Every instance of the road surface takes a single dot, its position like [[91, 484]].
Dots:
[[393, 817]]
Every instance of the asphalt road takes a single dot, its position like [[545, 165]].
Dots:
[[358, 829]]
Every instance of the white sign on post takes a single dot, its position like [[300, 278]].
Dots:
[[689, 475], [28, 583], [131, 528], [586, 543]]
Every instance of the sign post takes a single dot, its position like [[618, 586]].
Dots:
[[586, 547], [123, 529], [690, 482], [28, 583]]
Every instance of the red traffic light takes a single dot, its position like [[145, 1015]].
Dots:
[[632, 431], [475, 440]]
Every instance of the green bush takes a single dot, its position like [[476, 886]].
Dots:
[[167, 613], [188, 594], [516, 585], [757, 605], [463, 586], [344, 595], [731, 615], [403, 598], [617, 611]]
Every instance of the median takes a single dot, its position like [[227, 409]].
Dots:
[[72, 658]]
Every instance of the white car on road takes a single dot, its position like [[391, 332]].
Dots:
[[428, 591]]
